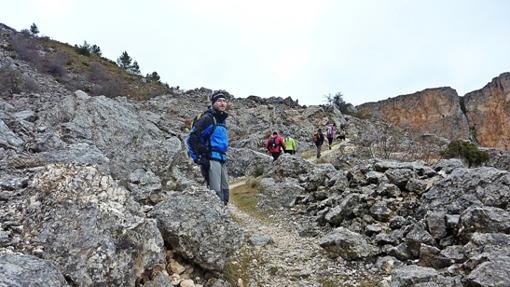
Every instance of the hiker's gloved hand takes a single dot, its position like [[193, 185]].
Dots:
[[201, 149], [203, 160]]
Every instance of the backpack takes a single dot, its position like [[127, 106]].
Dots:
[[329, 132], [315, 137], [272, 142], [191, 153]]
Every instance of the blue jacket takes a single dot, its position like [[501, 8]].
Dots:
[[209, 137]]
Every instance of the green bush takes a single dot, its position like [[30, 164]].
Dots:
[[83, 49], [467, 151]]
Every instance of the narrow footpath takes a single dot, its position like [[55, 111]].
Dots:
[[288, 259]]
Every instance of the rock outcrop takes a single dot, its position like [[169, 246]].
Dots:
[[89, 226], [436, 111], [482, 115], [488, 113]]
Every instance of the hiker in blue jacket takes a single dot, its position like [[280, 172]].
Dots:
[[208, 145]]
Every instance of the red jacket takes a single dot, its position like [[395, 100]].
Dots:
[[275, 146]]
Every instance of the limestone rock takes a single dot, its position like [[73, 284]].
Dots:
[[197, 226], [436, 111], [23, 270]]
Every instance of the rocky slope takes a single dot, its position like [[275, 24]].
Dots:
[[97, 190], [395, 223], [482, 115]]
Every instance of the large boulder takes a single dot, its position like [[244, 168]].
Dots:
[[411, 275], [484, 219], [197, 226], [491, 273], [24, 270], [489, 244], [277, 194], [90, 227], [343, 210], [145, 186], [246, 162], [466, 187], [289, 166], [347, 244]]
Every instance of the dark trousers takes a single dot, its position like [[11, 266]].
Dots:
[[290, 151], [319, 147], [275, 155]]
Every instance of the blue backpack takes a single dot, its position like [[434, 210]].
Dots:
[[192, 153]]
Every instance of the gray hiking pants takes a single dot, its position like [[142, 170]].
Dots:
[[218, 179]]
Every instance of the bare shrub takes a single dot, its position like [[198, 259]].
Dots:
[[381, 140], [10, 82], [114, 87], [54, 65], [104, 83], [13, 82], [97, 74], [26, 49], [30, 85]]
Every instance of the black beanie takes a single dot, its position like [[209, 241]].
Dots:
[[216, 95]]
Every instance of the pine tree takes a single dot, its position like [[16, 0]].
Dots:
[[94, 49], [134, 69], [153, 77], [34, 30], [124, 61], [83, 49]]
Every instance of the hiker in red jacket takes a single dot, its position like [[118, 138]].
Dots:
[[275, 144]]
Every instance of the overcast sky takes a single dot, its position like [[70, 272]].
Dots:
[[368, 50]]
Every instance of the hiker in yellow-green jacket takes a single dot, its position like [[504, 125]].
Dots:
[[290, 145]]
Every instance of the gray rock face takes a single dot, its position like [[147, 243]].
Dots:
[[466, 187], [128, 139], [499, 159], [90, 227], [399, 177], [77, 153], [347, 244], [197, 226], [492, 273], [23, 270], [489, 244], [320, 175], [278, 194], [412, 275], [434, 111], [380, 211], [418, 236], [8, 139], [260, 240], [436, 222], [485, 220], [145, 186], [446, 166], [247, 162], [343, 210], [289, 166]]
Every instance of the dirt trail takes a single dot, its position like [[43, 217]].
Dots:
[[290, 259]]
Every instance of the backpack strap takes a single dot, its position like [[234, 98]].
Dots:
[[215, 123]]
